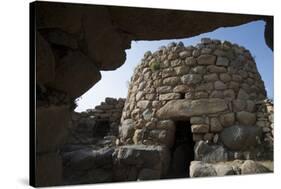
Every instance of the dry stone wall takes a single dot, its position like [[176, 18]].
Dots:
[[87, 154], [214, 85], [92, 125]]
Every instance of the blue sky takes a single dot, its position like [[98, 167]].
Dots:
[[114, 83]]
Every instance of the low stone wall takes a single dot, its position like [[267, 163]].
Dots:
[[91, 143], [92, 125]]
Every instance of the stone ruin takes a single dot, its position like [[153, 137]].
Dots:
[[72, 45], [206, 104], [190, 112]]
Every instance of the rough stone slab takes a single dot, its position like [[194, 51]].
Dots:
[[143, 104], [48, 170], [240, 137], [211, 77], [252, 167], [169, 96], [76, 75], [227, 119], [127, 128], [206, 59], [149, 174], [215, 125], [171, 81], [246, 118], [191, 78], [144, 155], [222, 61], [200, 128], [184, 108], [216, 69], [51, 127], [199, 169], [45, 60]]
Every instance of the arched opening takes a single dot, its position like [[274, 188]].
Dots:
[[182, 152]]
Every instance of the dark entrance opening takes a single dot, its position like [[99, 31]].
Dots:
[[101, 128], [182, 153]]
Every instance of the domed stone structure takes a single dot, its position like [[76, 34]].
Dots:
[[205, 102]]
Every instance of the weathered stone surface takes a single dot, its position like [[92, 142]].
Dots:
[[222, 61], [227, 119], [144, 156], [215, 125], [200, 169], [252, 167], [127, 128], [164, 89], [242, 95], [246, 118], [143, 104], [240, 137], [209, 153], [200, 128], [184, 54], [239, 105], [191, 78], [86, 158], [225, 77], [171, 81], [219, 85], [224, 169], [206, 59], [229, 94], [216, 69], [147, 114], [169, 96], [181, 89], [139, 95], [186, 108], [211, 77], [166, 125], [180, 70], [217, 94], [199, 70], [51, 123], [168, 72], [200, 95], [76, 68], [45, 60], [206, 51], [205, 87], [137, 138], [61, 38], [197, 120], [48, 170], [149, 174]]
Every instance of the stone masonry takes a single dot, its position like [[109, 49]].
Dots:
[[216, 87]]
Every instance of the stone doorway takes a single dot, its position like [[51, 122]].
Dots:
[[182, 152]]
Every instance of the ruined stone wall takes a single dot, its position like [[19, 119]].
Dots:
[[92, 125], [215, 85]]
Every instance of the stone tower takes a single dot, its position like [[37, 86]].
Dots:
[[205, 103]]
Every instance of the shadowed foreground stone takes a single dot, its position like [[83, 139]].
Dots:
[[76, 74]]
